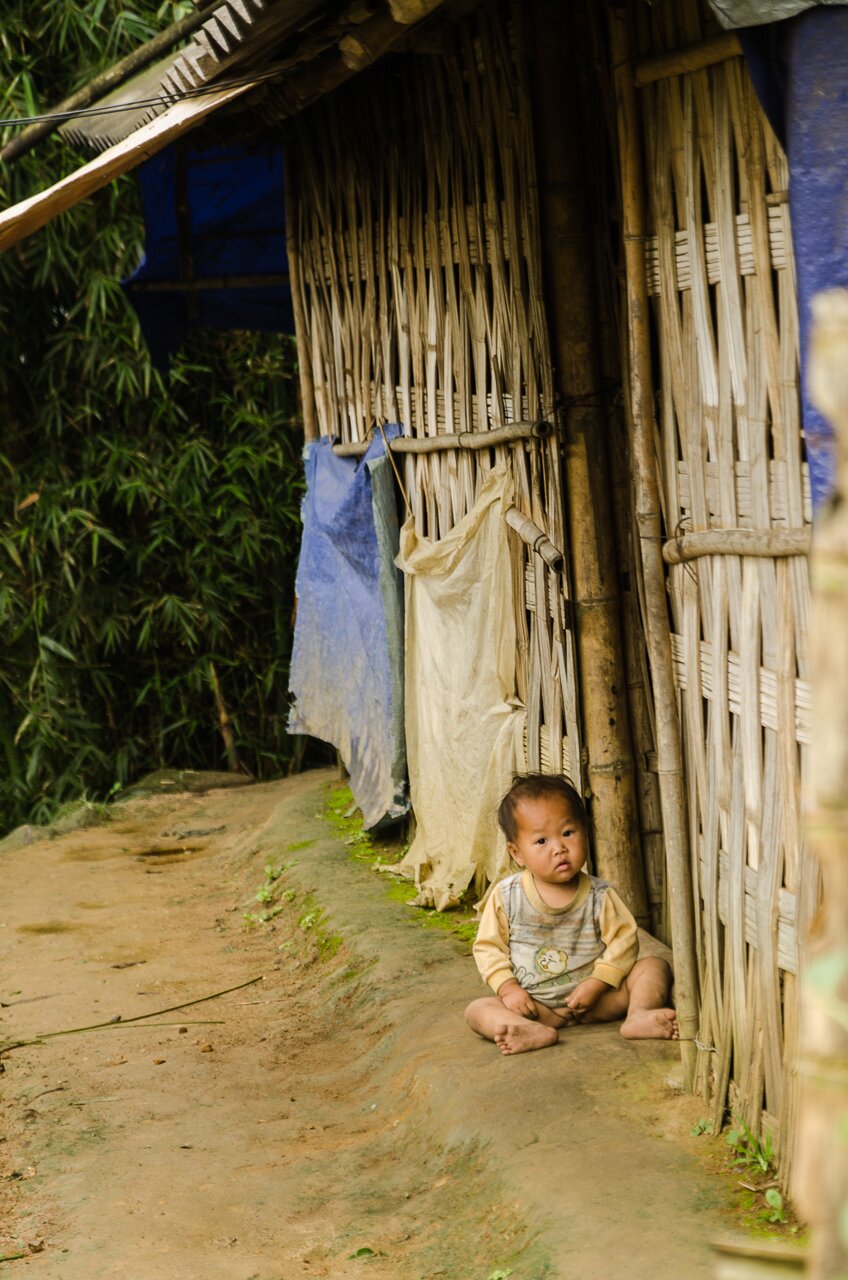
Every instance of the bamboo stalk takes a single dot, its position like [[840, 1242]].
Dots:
[[513, 432], [567, 260], [821, 1178], [100, 85], [669, 751], [692, 57], [224, 721], [769, 543]]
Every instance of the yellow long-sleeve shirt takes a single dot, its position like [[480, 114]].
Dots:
[[549, 950]]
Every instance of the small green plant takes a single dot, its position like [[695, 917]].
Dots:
[[701, 1126], [272, 872], [774, 1211], [750, 1151]]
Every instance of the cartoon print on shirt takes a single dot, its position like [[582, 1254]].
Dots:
[[551, 961]]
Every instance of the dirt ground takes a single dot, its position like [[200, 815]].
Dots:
[[333, 1118]]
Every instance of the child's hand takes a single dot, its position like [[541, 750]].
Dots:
[[585, 996], [517, 1000]]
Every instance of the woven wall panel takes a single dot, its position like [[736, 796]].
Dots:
[[417, 260], [720, 262]]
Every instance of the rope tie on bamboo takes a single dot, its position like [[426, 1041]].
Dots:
[[390, 457]]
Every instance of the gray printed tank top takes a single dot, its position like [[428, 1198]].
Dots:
[[552, 951]]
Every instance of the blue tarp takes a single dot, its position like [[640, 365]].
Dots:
[[800, 71], [347, 662], [213, 214]]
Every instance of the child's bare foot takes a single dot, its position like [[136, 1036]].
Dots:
[[521, 1037], [650, 1024]]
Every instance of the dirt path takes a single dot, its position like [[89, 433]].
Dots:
[[334, 1119]]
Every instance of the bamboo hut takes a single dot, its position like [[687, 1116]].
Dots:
[[555, 239], [454, 271]]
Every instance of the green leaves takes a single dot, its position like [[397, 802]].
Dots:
[[148, 522]]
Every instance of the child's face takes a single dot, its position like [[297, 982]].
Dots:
[[549, 842]]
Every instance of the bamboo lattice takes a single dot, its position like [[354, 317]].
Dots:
[[417, 267], [721, 272]]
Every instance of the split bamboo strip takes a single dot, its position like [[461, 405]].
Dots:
[[670, 766], [822, 1177]]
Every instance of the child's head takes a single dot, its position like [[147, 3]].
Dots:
[[537, 786]]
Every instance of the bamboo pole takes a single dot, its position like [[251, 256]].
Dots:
[[534, 537], [821, 1175], [567, 260], [692, 57], [770, 543], [644, 469], [511, 433]]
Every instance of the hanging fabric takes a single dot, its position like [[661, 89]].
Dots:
[[347, 661], [464, 726]]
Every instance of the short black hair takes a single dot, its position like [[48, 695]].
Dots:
[[533, 786]]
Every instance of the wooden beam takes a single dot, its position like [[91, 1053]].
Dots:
[[567, 262]]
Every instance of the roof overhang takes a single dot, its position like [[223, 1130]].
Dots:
[[31, 215]]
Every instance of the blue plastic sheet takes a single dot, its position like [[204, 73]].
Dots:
[[219, 211], [347, 661], [800, 71]]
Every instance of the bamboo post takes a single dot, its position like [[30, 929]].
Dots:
[[647, 507], [821, 1175], [567, 257]]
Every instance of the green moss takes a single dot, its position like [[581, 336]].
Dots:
[[299, 844], [345, 819]]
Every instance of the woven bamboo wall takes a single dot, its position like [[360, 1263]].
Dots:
[[720, 269], [417, 264]]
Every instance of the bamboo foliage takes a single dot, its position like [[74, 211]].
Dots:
[[719, 266], [416, 263]]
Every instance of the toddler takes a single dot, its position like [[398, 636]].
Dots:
[[558, 946]]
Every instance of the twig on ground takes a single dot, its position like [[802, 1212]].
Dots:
[[140, 1017]]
